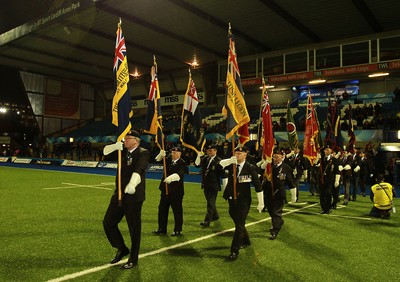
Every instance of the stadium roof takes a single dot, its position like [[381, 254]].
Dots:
[[74, 39]]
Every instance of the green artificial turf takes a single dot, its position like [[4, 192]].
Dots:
[[51, 226]]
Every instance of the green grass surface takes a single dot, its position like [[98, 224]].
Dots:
[[51, 226]]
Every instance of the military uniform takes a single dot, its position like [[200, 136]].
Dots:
[[329, 170], [174, 198], [346, 176], [298, 165], [131, 162], [239, 209], [275, 194], [211, 173], [355, 175]]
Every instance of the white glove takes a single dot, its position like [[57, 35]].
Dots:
[[198, 158], [340, 167], [135, 180], [160, 155], [295, 172], [173, 177], [259, 164], [113, 147], [338, 155], [347, 167], [357, 169], [305, 173], [265, 163], [290, 154], [318, 165], [224, 183], [337, 179], [371, 175], [260, 197], [293, 194], [226, 162]]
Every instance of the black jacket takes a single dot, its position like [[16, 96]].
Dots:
[[130, 163], [247, 176]]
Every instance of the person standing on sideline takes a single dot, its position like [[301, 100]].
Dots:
[[382, 196], [366, 172], [134, 162], [240, 207], [176, 169], [329, 179], [275, 191], [211, 173]]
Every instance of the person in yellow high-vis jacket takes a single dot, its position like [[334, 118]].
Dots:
[[382, 196]]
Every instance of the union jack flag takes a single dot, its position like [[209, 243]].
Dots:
[[121, 104]]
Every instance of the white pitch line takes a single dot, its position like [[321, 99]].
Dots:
[[74, 186], [155, 252]]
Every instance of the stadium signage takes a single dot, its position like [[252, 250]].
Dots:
[[107, 165], [365, 68], [22, 161], [166, 101], [3, 159], [79, 163], [155, 168]]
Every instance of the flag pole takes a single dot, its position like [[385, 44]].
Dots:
[[162, 135], [234, 169], [258, 143]]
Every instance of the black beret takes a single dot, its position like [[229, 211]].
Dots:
[[209, 147], [279, 152], [241, 149], [133, 133]]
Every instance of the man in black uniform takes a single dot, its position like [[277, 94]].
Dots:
[[329, 179], [176, 169], [239, 207], [345, 163], [133, 185], [282, 176], [355, 175], [298, 164], [212, 173]]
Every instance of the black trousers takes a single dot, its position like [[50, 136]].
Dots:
[[354, 186], [133, 214], [238, 210], [211, 197], [325, 196], [175, 202], [275, 204]]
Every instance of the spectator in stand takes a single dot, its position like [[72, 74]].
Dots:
[[370, 110], [366, 125], [377, 109]]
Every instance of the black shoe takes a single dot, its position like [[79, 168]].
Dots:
[[159, 232], [205, 223], [120, 254], [176, 233], [215, 219], [233, 256], [272, 236], [130, 264]]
